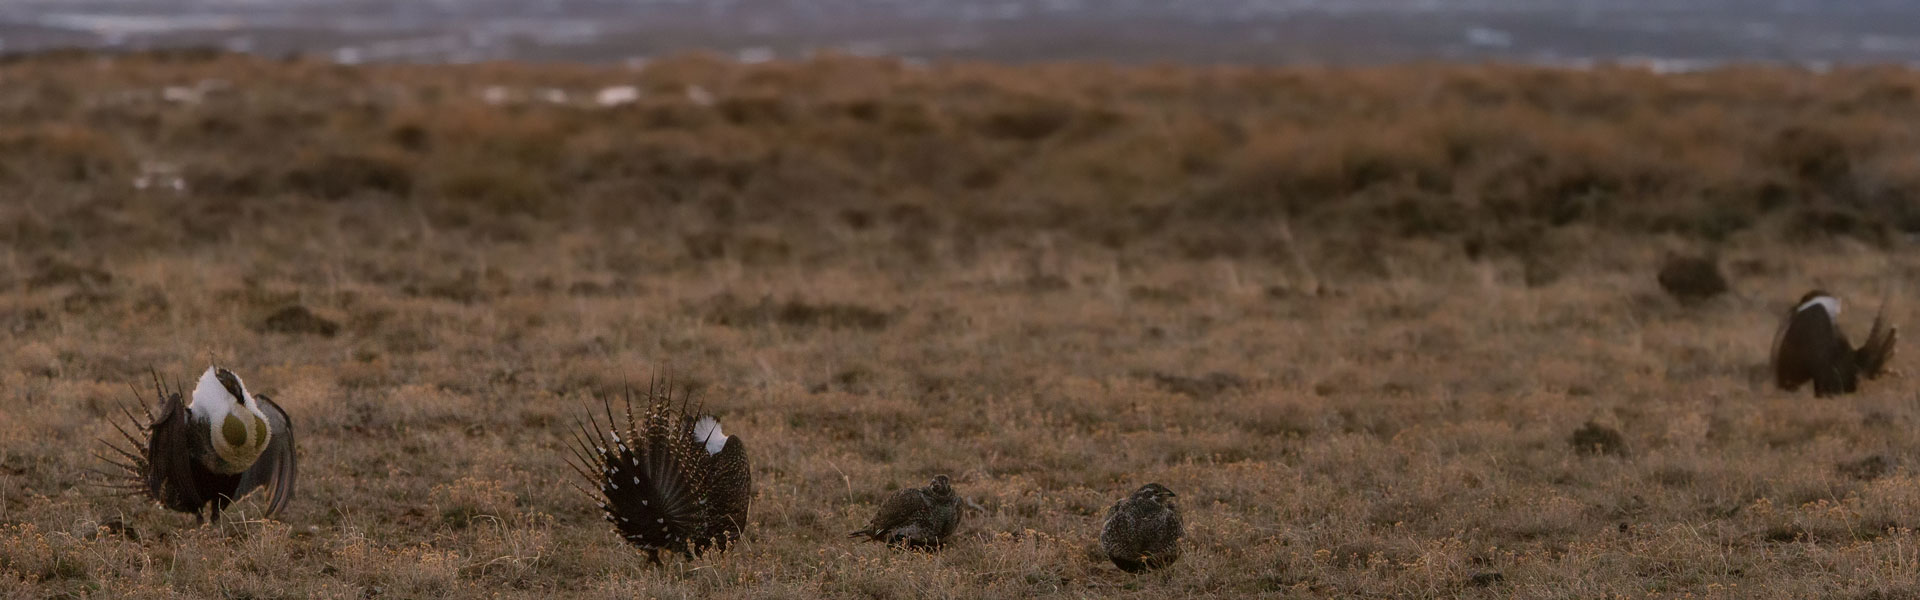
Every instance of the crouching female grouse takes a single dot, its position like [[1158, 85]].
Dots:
[[916, 518], [1143, 531]]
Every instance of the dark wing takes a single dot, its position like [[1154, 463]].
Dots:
[[1775, 363], [277, 467], [1166, 546], [1120, 538], [1175, 529], [900, 510], [946, 518], [730, 489], [1839, 374], [1878, 349], [1114, 511], [170, 448], [1804, 348]]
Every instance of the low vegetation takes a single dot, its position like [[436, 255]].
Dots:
[[1388, 332]]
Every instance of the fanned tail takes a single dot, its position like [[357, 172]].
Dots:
[[1872, 357], [126, 467], [650, 478]]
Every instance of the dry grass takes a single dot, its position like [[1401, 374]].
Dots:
[[1055, 283]]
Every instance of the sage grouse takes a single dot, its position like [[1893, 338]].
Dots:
[[1810, 347], [210, 452], [1143, 531], [916, 518], [671, 480]]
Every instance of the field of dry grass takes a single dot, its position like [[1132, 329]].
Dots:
[[1354, 318]]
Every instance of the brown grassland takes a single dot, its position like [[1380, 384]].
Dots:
[[1355, 317]]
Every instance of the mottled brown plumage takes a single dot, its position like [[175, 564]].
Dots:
[[729, 479], [1143, 530], [671, 480], [916, 518], [1810, 347]]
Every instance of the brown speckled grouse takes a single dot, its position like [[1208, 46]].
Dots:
[[671, 481], [1810, 347], [1143, 531], [916, 518]]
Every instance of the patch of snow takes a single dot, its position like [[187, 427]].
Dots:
[[616, 95]]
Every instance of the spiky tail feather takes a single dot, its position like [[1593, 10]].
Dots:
[[1873, 355], [652, 482], [129, 472]]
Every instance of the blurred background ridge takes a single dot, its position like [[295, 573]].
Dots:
[[1663, 34]]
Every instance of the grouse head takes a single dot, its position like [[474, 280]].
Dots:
[[940, 486], [1154, 492]]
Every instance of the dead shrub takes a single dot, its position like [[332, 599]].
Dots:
[[1594, 438], [299, 319], [497, 191], [1825, 223], [460, 502], [64, 152], [1026, 121], [338, 176], [729, 310]]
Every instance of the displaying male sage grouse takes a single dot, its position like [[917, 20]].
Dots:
[[212, 451], [916, 518], [1143, 530], [671, 481], [1810, 347]]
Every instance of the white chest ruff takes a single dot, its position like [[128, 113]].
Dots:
[[707, 432], [222, 414], [1831, 304]]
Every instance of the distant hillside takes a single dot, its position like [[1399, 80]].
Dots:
[[730, 158], [1674, 35]]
